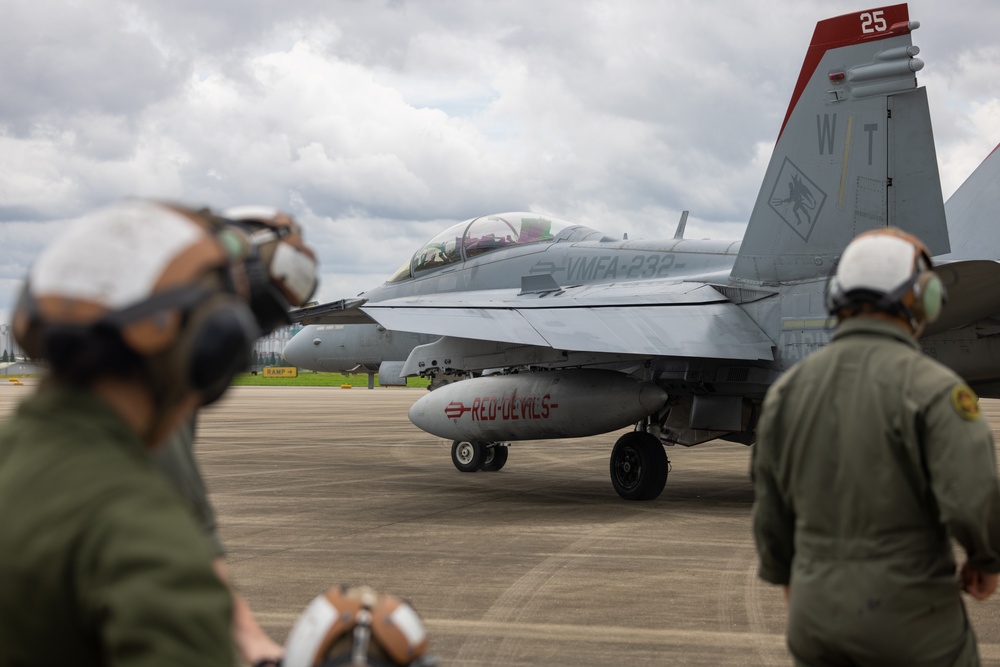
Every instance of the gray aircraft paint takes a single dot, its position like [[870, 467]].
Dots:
[[840, 143], [350, 348], [974, 213], [579, 256], [838, 169]]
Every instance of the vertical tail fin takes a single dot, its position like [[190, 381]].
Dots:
[[855, 152], [974, 213]]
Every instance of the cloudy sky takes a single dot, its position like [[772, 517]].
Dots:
[[378, 123]]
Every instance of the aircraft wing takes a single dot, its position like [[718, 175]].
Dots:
[[344, 311], [972, 293], [680, 319]]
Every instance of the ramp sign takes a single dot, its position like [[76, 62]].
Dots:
[[281, 372]]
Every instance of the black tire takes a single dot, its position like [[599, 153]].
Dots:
[[468, 456], [496, 458], [638, 466]]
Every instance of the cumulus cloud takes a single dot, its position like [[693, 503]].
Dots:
[[379, 124]]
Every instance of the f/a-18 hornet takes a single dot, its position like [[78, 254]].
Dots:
[[583, 334]]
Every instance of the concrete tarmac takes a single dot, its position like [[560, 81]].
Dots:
[[538, 564]]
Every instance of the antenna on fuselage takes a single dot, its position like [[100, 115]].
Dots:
[[679, 234]]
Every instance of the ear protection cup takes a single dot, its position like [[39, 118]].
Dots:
[[921, 297], [214, 345], [834, 298], [928, 296]]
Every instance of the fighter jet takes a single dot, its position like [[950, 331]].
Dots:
[[681, 338], [971, 212], [354, 348]]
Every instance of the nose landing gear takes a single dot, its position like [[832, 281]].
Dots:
[[471, 456]]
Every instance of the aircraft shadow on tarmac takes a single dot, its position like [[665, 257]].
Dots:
[[540, 475]]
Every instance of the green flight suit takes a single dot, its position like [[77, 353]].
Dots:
[[100, 560], [870, 456], [175, 460]]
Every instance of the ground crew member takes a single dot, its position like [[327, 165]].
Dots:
[[279, 271], [870, 457], [136, 310]]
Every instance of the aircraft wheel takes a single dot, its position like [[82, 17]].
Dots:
[[496, 458], [468, 456], [638, 466]]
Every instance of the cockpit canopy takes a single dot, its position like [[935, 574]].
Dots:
[[481, 235]]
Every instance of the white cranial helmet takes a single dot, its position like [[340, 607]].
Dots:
[[144, 278], [879, 263], [360, 627], [887, 270]]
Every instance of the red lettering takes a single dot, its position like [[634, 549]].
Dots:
[[512, 408]]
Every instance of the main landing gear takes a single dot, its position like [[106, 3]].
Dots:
[[639, 466], [470, 456]]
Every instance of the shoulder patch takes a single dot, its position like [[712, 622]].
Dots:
[[965, 402]]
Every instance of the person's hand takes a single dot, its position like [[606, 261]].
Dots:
[[977, 583], [254, 645]]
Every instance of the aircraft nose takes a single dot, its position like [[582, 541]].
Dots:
[[300, 348]]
